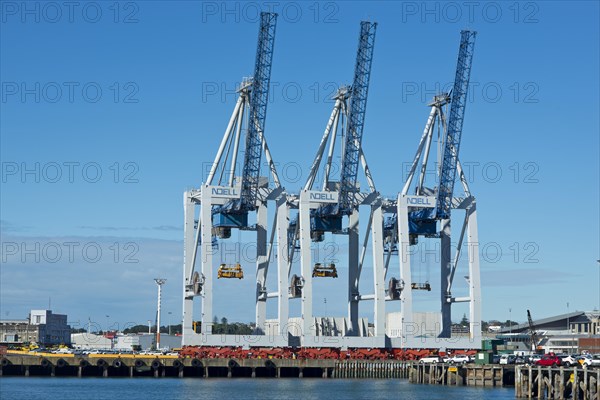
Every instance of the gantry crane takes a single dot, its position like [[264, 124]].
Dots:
[[226, 200], [322, 209], [427, 211]]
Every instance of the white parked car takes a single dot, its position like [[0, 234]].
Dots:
[[62, 350], [567, 360], [589, 360], [460, 359], [506, 359], [430, 360]]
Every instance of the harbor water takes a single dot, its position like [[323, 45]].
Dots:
[[47, 388]]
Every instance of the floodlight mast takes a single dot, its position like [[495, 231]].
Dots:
[[159, 282]]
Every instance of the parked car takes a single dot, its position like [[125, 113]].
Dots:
[[549, 360], [535, 358], [585, 360], [521, 360], [567, 360], [506, 359], [495, 359], [460, 359], [430, 359], [588, 360]]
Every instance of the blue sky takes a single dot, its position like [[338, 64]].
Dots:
[[118, 110]]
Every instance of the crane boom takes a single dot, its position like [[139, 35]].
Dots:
[[356, 119], [532, 330], [455, 123], [259, 97]]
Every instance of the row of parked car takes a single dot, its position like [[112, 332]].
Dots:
[[78, 352], [552, 360], [122, 351], [545, 360], [456, 359]]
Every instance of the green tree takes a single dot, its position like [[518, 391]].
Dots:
[[464, 321], [136, 329]]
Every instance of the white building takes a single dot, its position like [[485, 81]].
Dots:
[[92, 341]]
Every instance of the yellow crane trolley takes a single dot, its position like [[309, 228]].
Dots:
[[323, 271], [230, 271]]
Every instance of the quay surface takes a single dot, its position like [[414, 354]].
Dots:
[[114, 365], [530, 382]]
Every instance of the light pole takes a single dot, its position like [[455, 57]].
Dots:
[[159, 283], [509, 320], [568, 329], [106, 332], [598, 284], [169, 322]]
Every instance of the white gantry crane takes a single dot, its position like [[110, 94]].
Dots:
[[226, 201], [426, 212], [330, 205], [323, 208]]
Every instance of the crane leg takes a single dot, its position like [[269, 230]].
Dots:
[[446, 270]]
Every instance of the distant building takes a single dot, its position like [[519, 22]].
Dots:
[[578, 322], [14, 331], [42, 327], [146, 341], [92, 341], [587, 323], [565, 333]]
